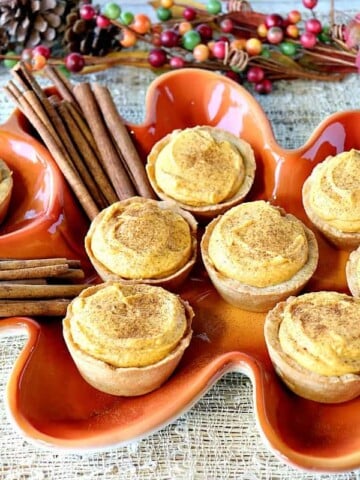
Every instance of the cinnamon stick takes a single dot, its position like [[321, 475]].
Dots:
[[25, 281], [16, 264], [71, 275], [34, 272], [109, 156], [71, 143], [60, 155], [62, 84], [83, 127], [89, 158], [53, 308], [123, 141], [40, 291]]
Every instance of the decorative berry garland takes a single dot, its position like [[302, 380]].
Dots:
[[243, 44]]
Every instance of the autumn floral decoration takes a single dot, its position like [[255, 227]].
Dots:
[[230, 37]]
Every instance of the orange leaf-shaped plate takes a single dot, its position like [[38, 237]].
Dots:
[[47, 398]]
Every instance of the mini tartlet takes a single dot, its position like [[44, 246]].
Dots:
[[206, 170], [140, 240], [256, 255], [352, 270], [314, 344], [331, 198], [127, 339], [6, 187]]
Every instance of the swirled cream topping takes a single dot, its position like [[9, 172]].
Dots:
[[196, 167], [335, 191], [5, 180], [127, 326], [142, 240], [321, 332], [256, 244]]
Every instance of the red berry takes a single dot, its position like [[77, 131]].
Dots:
[[308, 40], [313, 25], [227, 25], [42, 50], [255, 75], [274, 20], [157, 57], [265, 86], [310, 3], [177, 62], [233, 76], [87, 12], [169, 38], [74, 62], [189, 14], [219, 50], [102, 21], [223, 39], [205, 32], [275, 35]]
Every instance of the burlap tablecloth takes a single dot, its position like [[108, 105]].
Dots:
[[218, 438]]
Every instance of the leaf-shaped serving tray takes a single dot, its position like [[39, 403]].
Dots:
[[46, 397]]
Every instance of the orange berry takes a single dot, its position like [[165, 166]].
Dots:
[[253, 46], [292, 31], [128, 38], [262, 30], [167, 3], [238, 44], [184, 27], [141, 23], [201, 52], [38, 62]]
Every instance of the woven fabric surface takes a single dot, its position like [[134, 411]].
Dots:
[[218, 438]]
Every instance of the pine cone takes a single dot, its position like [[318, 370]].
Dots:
[[31, 22], [4, 41], [83, 36]]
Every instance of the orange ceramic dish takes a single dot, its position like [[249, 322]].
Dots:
[[41, 219], [303, 433]]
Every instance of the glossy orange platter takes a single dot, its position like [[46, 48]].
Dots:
[[46, 397]]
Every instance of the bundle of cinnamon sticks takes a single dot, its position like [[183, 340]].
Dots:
[[39, 287], [82, 128]]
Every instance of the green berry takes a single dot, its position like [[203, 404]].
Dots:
[[265, 52], [191, 39], [163, 14], [324, 36], [213, 7], [112, 11], [126, 18], [8, 62], [288, 48]]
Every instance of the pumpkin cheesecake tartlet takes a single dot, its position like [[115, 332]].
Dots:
[[314, 343], [331, 198], [127, 339], [352, 270], [256, 255], [6, 187], [206, 170], [143, 240]]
